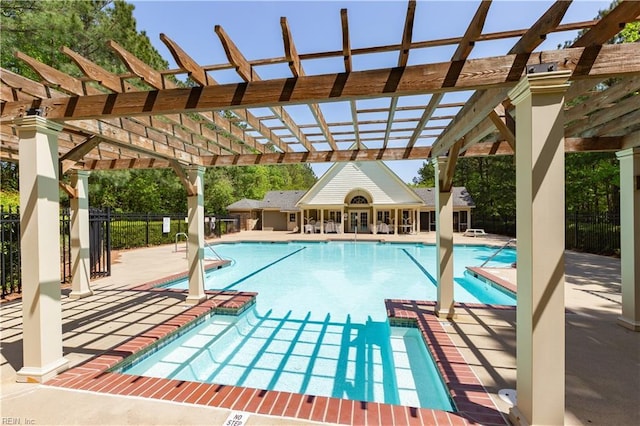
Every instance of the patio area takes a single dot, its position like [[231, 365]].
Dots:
[[602, 357]]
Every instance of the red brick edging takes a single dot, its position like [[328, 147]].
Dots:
[[471, 399]]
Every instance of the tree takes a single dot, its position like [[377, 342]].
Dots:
[[40, 27]]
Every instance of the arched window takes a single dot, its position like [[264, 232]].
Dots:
[[359, 199]]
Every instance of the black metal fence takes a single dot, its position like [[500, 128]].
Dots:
[[597, 233], [130, 230], [589, 232], [99, 247], [10, 247]]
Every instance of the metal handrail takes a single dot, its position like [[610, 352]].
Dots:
[[186, 242], [498, 251], [213, 251]]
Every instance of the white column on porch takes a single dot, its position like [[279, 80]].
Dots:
[[540, 209], [322, 221], [80, 267], [374, 220], [444, 244], [630, 237], [195, 205], [40, 250], [395, 222]]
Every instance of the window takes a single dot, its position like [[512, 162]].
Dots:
[[383, 216], [335, 215], [359, 199], [292, 217]]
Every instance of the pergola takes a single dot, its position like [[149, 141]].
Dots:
[[534, 105]]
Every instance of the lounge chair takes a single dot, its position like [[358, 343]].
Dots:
[[474, 232]]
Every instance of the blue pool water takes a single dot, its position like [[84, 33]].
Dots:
[[319, 325]]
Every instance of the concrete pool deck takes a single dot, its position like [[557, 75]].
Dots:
[[602, 358]]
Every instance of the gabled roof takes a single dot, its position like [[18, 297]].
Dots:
[[245, 204], [374, 177], [273, 200], [282, 200], [461, 197]]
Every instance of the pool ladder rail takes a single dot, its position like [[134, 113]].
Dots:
[[186, 244], [513, 240]]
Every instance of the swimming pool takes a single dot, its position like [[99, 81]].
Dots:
[[319, 325]]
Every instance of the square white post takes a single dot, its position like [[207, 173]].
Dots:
[[195, 204], [540, 209], [630, 237], [40, 250], [444, 244], [80, 267]]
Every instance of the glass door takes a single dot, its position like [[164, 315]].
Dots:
[[359, 219]]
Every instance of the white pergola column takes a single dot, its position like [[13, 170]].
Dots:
[[40, 250], [80, 267], [195, 205], [630, 237], [540, 209], [444, 244]]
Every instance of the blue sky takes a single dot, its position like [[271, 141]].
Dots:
[[254, 26]]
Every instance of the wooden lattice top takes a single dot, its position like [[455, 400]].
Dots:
[[110, 123]]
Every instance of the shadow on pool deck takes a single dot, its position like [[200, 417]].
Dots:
[[602, 358]]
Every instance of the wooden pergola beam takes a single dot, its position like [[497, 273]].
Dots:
[[118, 131], [482, 73], [403, 58], [346, 41], [474, 30], [346, 53], [609, 25], [97, 73], [482, 103], [243, 68], [155, 79], [478, 150], [298, 71], [603, 98], [184, 179], [69, 160], [200, 76], [604, 116]]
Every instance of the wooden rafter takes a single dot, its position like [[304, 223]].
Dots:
[[70, 159], [446, 173], [200, 76], [481, 103], [603, 98], [77, 87], [346, 50], [482, 73], [155, 126], [478, 150], [604, 116], [298, 71], [460, 55], [155, 79], [403, 58], [499, 119], [184, 179], [243, 68]]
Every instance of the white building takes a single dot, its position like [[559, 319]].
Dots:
[[363, 196]]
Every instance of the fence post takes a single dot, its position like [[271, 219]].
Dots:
[[147, 229]]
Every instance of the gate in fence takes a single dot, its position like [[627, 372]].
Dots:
[[99, 247]]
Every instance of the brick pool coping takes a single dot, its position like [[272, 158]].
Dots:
[[472, 401]]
